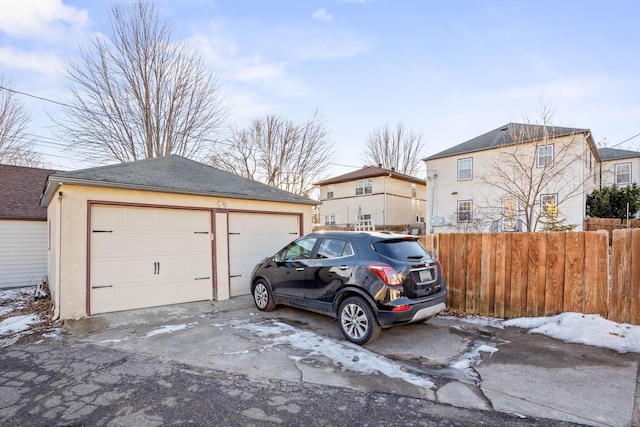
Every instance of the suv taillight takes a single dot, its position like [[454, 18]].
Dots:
[[386, 273]]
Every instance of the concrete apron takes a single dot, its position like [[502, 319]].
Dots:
[[445, 360]]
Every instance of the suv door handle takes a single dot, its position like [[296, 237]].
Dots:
[[344, 267], [300, 269]]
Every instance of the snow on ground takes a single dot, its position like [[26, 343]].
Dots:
[[167, 329], [19, 315], [589, 329], [343, 353]]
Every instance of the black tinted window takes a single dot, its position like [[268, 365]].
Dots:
[[402, 250], [334, 248]]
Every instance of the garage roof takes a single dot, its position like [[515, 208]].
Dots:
[[172, 174]]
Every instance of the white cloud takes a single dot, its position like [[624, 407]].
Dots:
[[322, 15], [50, 19], [41, 62]]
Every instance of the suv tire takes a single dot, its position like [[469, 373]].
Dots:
[[357, 321]]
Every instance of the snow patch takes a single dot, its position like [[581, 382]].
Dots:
[[589, 329], [167, 329]]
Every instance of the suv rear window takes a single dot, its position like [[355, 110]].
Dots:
[[401, 250]]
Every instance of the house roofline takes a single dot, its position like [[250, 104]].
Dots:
[[370, 172]]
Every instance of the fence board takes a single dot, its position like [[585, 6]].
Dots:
[[502, 273], [635, 277], [554, 288], [487, 277], [620, 308], [536, 274], [596, 272], [518, 288], [473, 269], [574, 272]]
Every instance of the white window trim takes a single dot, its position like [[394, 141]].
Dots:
[[470, 169], [544, 162], [470, 211], [615, 173], [542, 202]]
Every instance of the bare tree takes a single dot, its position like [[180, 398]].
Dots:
[[539, 159], [137, 94], [395, 149], [15, 147], [278, 152]]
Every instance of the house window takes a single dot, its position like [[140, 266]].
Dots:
[[465, 213], [414, 191], [330, 192], [545, 156], [547, 200], [465, 169], [364, 186], [623, 173], [509, 214], [419, 217], [330, 219]]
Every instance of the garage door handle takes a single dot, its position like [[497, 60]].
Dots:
[[156, 268]]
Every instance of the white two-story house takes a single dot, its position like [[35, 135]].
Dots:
[[503, 180], [373, 196]]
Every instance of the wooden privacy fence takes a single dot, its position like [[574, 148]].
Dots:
[[511, 275]]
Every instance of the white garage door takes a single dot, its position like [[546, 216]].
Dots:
[[146, 257], [252, 237]]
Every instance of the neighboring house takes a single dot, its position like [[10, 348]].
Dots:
[[372, 195], [161, 231], [504, 179], [619, 167], [23, 226]]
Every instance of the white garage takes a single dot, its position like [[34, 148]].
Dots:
[[160, 231]]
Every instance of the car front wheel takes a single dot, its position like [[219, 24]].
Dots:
[[357, 321], [262, 296]]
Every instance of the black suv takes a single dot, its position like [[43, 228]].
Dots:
[[367, 280]]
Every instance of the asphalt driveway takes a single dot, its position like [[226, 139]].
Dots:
[[445, 361]]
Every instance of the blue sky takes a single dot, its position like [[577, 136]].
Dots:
[[449, 70]]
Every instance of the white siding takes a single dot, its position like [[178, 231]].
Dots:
[[23, 253]]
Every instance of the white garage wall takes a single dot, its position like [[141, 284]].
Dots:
[[23, 253]]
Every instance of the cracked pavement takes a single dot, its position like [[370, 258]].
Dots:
[[225, 363]]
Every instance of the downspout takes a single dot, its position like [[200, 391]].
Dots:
[[384, 211], [57, 260]]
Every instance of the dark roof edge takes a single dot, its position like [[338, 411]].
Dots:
[[477, 150], [49, 190]]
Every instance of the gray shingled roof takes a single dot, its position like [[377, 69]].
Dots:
[[614, 154], [504, 136], [173, 174]]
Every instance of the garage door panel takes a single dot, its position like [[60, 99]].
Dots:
[[252, 237], [149, 257]]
